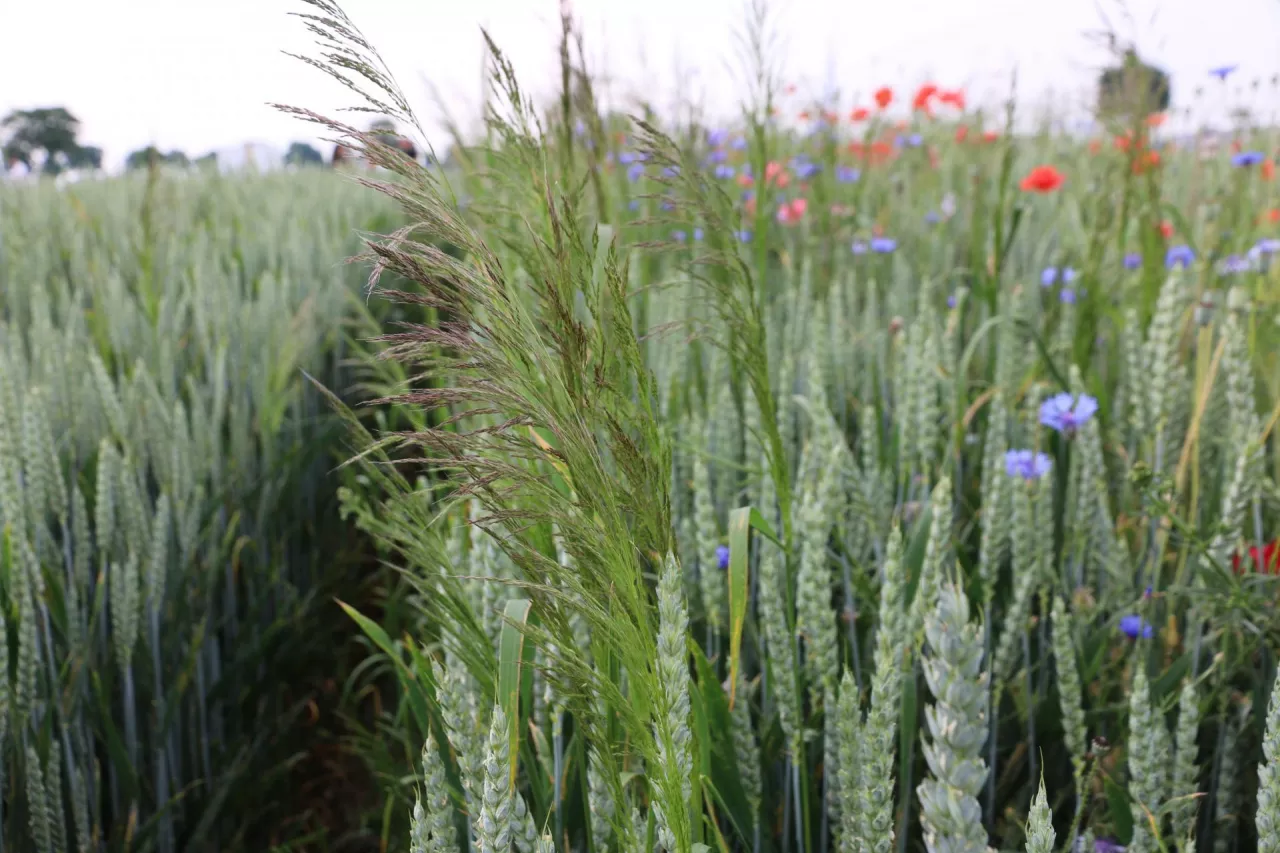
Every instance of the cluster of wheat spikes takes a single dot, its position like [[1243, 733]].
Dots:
[[766, 545], [160, 462]]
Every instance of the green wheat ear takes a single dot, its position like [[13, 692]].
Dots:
[[493, 824], [1069, 690], [674, 736], [1185, 781], [1040, 834], [1146, 761], [957, 727], [1267, 819], [873, 804], [432, 828]]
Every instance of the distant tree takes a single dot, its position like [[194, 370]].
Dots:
[[46, 137], [86, 157], [207, 161], [302, 154], [1132, 88], [145, 157]]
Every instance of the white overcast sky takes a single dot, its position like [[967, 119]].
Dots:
[[197, 76]]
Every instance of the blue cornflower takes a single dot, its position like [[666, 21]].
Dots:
[[718, 156], [1247, 158], [1132, 261], [724, 172], [579, 129], [747, 195], [1179, 256], [670, 171], [634, 204], [1268, 246], [1106, 845], [858, 247], [697, 233], [739, 143], [1027, 464], [1222, 72], [913, 140], [722, 556], [806, 170], [744, 236], [668, 205], [1069, 275], [716, 138], [883, 245], [932, 217], [626, 158], [635, 171], [1133, 625], [1067, 296], [1048, 276], [608, 156], [1235, 264], [1066, 414], [951, 301], [847, 174], [679, 236]]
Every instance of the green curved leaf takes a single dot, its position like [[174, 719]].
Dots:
[[741, 522]]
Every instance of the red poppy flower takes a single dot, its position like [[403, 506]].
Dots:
[[1095, 145], [923, 100], [1155, 119], [775, 175], [1236, 146], [830, 117], [745, 180], [1267, 562], [859, 114], [884, 97], [792, 211], [1268, 170], [990, 136], [1144, 161], [1273, 215], [1042, 179], [962, 133], [1122, 143], [952, 98], [804, 115], [877, 152], [881, 151], [1166, 229]]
